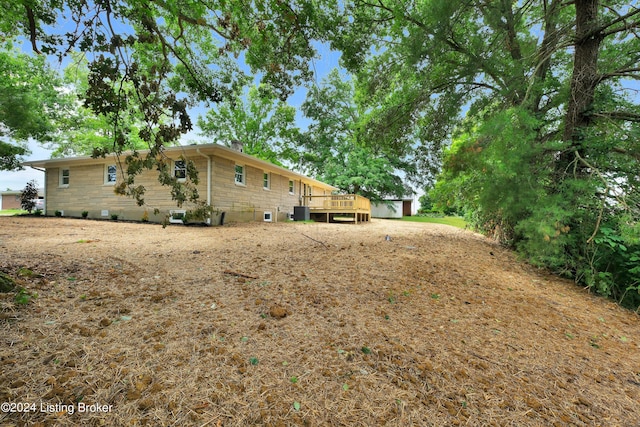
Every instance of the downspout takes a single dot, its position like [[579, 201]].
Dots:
[[45, 186], [208, 181]]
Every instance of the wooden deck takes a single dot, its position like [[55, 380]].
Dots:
[[339, 208]]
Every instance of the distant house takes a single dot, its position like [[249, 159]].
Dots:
[[11, 199], [391, 208], [243, 187]]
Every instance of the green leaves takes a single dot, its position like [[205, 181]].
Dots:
[[335, 149], [29, 102], [265, 125]]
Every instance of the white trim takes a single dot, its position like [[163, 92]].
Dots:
[[267, 216]]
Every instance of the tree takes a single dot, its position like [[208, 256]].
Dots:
[[10, 155], [156, 59], [29, 196], [536, 99], [264, 124], [80, 131], [334, 150], [28, 102]]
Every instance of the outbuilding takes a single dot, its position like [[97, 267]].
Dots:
[[391, 208]]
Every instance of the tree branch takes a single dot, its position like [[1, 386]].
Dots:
[[627, 72], [606, 29], [619, 115], [32, 29]]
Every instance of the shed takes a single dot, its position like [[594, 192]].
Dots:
[[391, 208]]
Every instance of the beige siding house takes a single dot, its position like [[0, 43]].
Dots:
[[243, 187]]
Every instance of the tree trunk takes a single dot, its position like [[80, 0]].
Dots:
[[585, 72]]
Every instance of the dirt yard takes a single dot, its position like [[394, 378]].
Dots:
[[301, 324]]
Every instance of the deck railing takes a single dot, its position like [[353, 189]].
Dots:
[[338, 202]]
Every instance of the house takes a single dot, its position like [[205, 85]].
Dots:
[[245, 188], [11, 199], [391, 208]]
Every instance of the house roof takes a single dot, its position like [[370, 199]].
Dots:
[[190, 151], [19, 192]]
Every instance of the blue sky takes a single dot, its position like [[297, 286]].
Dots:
[[17, 180]]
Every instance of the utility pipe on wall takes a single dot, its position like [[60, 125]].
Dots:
[[208, 181]]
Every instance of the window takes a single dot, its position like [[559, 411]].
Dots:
[[180, 169], [292, 189], [64, 177], [177, 216], [266, 181], [110, 174], [267, 217], [240, 178]]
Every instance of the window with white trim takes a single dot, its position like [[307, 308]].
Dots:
[[110, 174], [240, 175], [180, 170], [266, 180], [64, 177], [292, 188]]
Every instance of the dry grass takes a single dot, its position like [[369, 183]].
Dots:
[[303, 324]]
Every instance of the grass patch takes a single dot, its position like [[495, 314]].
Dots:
[[455, 221], [9, 212]]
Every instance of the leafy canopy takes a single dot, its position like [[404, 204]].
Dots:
[[150, 61], [262, 122], [335, 148]]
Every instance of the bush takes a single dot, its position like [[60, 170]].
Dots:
[[114, 217], [58, 213], [37, 212], [29, 196], [85, 214]]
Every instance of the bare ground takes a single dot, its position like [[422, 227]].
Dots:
[[302, 324]]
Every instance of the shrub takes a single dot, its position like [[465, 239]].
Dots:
[[85, 214], [114, 217], [37, 212], [58, 213], [29, 196]]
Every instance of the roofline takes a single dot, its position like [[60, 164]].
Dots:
[[197, 149]]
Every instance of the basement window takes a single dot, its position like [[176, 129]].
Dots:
[[268, 217], [177, 216]]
